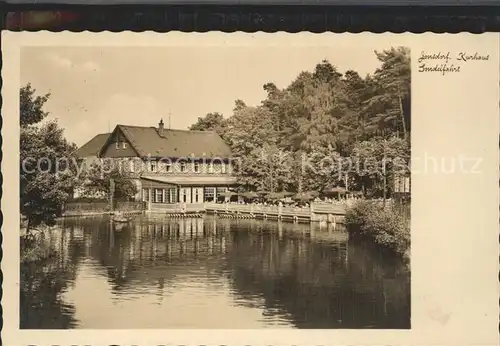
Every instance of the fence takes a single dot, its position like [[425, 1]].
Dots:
[[178, 208], [81, 208], [130, 206], [102, 207], [334, 209]]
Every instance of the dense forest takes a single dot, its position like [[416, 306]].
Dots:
[[325, 129]]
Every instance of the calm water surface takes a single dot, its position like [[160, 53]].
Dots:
[[212, 273]]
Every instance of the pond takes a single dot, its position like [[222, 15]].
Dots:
[[211, 273]]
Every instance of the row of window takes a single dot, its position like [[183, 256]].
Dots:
[[167, 167], [196, 196], [160, 195], [187, 195]]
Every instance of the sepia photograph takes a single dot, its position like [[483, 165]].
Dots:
[[202, 181], [250, 189]]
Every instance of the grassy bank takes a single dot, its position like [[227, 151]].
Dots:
[[36, 253], [34, 247], [388, 228]]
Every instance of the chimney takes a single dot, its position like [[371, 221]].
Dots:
[[160, 128]]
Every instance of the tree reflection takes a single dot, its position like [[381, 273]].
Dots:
[[42, 284], [319, 284]]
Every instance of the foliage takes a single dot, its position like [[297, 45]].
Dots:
[[85, 199], [35, 248], [31, 106], [387, 227], [378, 159], [211, 122], [47, 169], [98, 182], [323, 114]]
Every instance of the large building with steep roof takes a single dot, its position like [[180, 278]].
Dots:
[[169, 166]]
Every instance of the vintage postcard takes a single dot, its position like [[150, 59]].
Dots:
[[250, 189]]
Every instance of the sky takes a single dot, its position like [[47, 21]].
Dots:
[[95, 88]]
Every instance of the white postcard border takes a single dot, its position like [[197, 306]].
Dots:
[[455, 217]]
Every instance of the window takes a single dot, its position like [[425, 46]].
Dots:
[[117, 144], [197, 195], [183, 166], [209, 194], [196, 167], [173, 195], [217, 168], [159, 195], [145, 195], [153, 167], [220, 190], [124, 145], [184, 196]]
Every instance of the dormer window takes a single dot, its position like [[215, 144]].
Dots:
[[153, 166], [120, 145], [183, 166], [196, 167]]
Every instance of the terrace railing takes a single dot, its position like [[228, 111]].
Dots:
[[336, 209]]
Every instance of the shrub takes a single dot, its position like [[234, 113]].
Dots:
[[357, 216], [387, 227], [34, 248], [87, 200]]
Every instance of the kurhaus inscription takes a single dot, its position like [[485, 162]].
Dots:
[[447, 62]]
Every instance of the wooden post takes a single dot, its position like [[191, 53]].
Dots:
[[111, 193], [346, 182], [384, 174]]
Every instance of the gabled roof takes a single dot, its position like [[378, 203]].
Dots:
[[92, 147], [174, 143]]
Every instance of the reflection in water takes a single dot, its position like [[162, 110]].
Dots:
[[212, 273]]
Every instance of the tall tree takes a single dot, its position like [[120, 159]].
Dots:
[[395, 77], [31, 106], [47, 168], [324, 114], [211, 122]]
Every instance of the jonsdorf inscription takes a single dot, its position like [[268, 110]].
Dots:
[[447, 62]]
